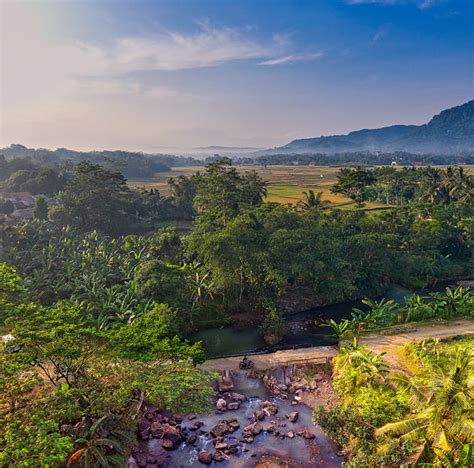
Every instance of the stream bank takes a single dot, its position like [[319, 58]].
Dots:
[[257, 418], [303, 329]]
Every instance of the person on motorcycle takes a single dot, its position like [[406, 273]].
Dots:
[[245, 363]]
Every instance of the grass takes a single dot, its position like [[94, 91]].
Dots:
[[286, 184]]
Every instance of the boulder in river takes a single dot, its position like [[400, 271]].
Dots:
[[237, 396], [167, 444], [172, 433], [221, 404], [307, 435], [233, 423], [293, 416], [205, 457], [269, 408], [220, 429], [234, 405]]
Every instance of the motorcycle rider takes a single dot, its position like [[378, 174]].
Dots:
[[245, 363]]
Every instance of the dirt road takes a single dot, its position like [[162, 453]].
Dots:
[[376, 342]]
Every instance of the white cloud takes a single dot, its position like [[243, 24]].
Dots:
[[289, 59], [173, 51]]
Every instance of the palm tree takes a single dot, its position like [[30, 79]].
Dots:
[[442, 409], [313, 200]]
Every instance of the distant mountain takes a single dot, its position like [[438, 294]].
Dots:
[[449, 132], [227, 148]]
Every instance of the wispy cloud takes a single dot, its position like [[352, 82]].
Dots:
[[174, 51], [421, 4], [295, 58], [381, 32]]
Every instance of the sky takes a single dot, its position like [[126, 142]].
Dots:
[[169, 75]]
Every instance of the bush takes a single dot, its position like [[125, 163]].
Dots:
[[274, 321], [33, 443]]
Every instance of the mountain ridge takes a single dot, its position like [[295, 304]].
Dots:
[[452, 130]]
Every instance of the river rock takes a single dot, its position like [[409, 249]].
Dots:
[[254, 428], [220, 429], [197, 425], [293, 416], [290, 434], [219, 457], [221, 446], [259, 415], [167, 444], [233, 448], [191, 440], [156, 429], [269, 408], [307, 435], [205, 457], [233, 424], [257, 429], [143, 424], [237, 397], [221, 404], [234, 405], [173, 434]]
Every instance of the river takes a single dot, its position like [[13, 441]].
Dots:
[[303, 329]]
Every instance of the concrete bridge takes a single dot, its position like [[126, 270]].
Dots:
[[376, 342]]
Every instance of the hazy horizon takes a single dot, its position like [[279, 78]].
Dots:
[[184, 75]]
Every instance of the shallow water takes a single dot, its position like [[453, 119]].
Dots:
[[320, 451]]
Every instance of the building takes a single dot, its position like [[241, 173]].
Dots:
[[23, 203]]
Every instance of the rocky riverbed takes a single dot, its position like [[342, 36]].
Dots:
[[258, 419]]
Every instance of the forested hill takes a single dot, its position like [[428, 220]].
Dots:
[[450, 131], [133, 165]]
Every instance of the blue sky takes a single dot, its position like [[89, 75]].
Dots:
[[185, 73]]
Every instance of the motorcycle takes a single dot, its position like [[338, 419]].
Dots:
[[246, 364]]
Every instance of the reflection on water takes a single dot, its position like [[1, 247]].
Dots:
[[303, 330]]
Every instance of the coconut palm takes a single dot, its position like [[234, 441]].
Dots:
[[442, 409], [313, 200]]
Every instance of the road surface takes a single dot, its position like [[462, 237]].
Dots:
[[375, 342]]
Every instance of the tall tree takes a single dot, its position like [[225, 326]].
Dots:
[[219, 191], [40, 210], [95, 199]]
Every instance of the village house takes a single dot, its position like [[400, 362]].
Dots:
[[23, 204]]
